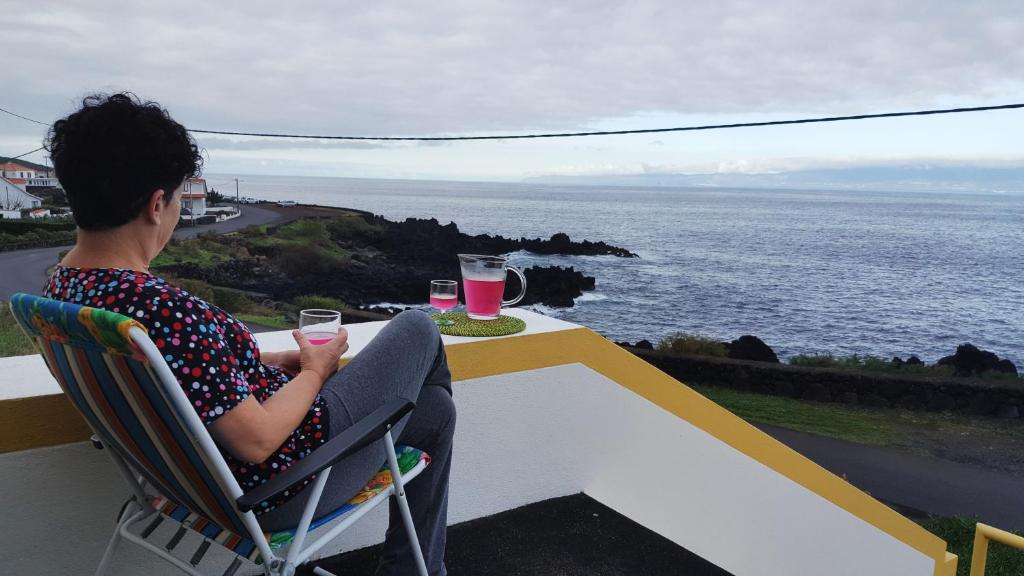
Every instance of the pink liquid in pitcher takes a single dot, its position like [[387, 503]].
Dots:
[[483, 297], [444, 302], [320, 338]]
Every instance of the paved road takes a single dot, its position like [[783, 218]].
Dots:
[[25, 270], [912, 482]]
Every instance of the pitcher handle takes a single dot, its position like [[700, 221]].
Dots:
[[522, 292]]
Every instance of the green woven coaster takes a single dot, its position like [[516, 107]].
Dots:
[[466, 326]]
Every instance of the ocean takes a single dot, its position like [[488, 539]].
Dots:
[[840, 272]]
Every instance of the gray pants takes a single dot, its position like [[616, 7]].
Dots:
[[405, 360]]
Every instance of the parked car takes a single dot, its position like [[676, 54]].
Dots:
[[286, 203]]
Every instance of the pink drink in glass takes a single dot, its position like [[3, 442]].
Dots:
[[444, 302], [483, 297], [320, 338]]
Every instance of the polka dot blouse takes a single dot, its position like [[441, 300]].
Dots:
[[214, 356]]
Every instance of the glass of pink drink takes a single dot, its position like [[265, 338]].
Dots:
[[319, 326], [483, 279], [444, 295]]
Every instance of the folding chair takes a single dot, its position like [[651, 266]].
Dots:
[[121, 384]]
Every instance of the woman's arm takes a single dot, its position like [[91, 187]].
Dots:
[[252, 431]]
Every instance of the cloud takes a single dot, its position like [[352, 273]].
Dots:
[[766, 166], [409, 68]]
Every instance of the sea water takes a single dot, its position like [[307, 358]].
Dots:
[[808, 271]]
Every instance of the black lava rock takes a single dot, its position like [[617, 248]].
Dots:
[[969, 360], [551, 285], [751, 348]]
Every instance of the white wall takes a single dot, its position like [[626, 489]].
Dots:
[[13, 197]]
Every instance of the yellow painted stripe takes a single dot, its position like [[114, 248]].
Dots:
[[40, 421]]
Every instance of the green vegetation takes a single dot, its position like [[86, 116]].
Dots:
[[908, 429], [877, 364], [846, 423], [26, 233], [20, 227], [871, 363], [13, 341], [206, 250], [302, 247], [321, 302], [695, 344], [279, 321], [958, 532]]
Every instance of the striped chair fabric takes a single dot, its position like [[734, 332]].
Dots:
[[109, 380]]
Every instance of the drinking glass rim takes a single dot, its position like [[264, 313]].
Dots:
[[319, 312], [485, 257], [444, 282]]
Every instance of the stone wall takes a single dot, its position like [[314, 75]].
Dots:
[[1003, 399]]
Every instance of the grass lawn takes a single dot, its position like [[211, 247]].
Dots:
[[907, 429], [959, 534], [279, 321], [13, 341]]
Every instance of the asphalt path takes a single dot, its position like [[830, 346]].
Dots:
[[25, 270], [916, 485]]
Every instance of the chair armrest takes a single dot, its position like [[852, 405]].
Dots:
[[359, 435]]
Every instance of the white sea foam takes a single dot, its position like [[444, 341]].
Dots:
[[590, 297], [542, 309]]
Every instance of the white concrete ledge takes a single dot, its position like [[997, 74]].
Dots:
[[27, 376]]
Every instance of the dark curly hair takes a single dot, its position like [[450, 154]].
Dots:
[[114, 152]]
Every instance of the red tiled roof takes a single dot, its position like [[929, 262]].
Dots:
[[14, 166]]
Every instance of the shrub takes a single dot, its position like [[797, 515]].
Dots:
[[306, 230], [197, 288], [306, 260], [695, 344], [870, 363], [232, 301], [353, 226], [316, 301]]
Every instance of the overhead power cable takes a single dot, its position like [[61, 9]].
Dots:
[[620, 132], [23, 117], [27, 153], [598, 133]]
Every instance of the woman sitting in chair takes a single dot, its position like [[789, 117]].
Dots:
[[123, 164]]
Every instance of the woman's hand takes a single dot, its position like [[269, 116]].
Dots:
[[321, 360]]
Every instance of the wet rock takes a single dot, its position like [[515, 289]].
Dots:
[[969, 360], [551, 286], [750, 348]]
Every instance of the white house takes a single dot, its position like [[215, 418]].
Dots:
[[14, 197], [193, 197]]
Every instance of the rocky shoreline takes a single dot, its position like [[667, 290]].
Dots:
[[364, 259]]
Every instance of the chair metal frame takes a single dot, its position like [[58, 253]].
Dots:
[[376, 426]]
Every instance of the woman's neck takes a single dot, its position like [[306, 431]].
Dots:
[[107, 249]]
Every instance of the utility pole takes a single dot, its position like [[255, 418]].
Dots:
[[236, 190]]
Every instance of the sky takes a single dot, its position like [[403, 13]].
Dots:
[[477, 67]]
